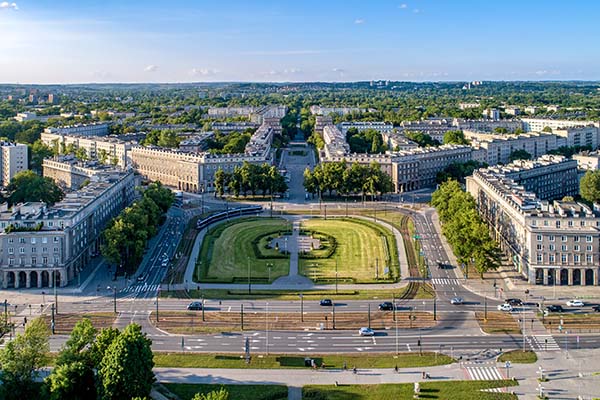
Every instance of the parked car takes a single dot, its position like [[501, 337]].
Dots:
[[386, 306], [575, 303], [505, 307], [326, 303], [366, 332], [554, 308], [141, 278], [514, 302], [596, 308], [456, 300], [195, 306]]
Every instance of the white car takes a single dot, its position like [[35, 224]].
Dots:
[[505, 307], [366, 332], [457, 300], [575, 303]]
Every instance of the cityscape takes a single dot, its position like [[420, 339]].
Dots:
[[267, 201]]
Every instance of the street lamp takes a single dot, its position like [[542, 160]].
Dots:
[[301, 307], [267, 328], [114, 289], [269, 266], [336, 276], [249, 284]]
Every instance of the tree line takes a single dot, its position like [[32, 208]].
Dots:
[[126, 235], [250, 178], [342, 179], [107, 364], [462, 225]]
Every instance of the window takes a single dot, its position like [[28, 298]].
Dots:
[[589, 259], [564, 247], [551, 258], [11, 261], [55, 260], [11, 240], [588, 248], [540, 247], [588, 239], [570, 223], [44, 260], [44, 249], [576, 258], [21, 240], [564, 258], [44, 240], [563, 238], [55, 239], [11, 250], [22, 250], [576, 238], [576, 247], [551, 238], [545, 222], [56, 249], [540, 258], [539, 238], [33, 250], [32, 240], [33, 261], [558, 224]]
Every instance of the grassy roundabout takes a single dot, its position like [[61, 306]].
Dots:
[[230, 247], [360, 248]]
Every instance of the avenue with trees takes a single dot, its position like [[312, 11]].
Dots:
[[344, 179], [126, 235], [466, 232], [250, 179]]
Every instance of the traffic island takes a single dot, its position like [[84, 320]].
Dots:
[[497, 322], [65, 322], [192, 322]]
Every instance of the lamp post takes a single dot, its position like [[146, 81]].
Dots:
[[55, 292], [336, 276], [301, 307], [114, 289], [249, 284], [267, 329], [269, 266]]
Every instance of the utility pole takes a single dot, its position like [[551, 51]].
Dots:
[[55, 293], [333, 315], [336, 275], [301, 307], [157, 296], [434, 309], [369, 315], [52, 322], [394, 307], [249, 284], [242, 315]]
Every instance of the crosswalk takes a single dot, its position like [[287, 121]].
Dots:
[[480, 373], [545, 343], [444, 281], [140, 288]]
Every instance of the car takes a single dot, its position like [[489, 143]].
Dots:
[[596, 308], [326, 303], [575, 303], [164, 263], [505, 307], [195, 306], [366, 332], [141, 278], [386, 306], [514, 302], [457, 300], [554, 308]]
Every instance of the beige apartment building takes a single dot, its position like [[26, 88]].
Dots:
[[14, 160], [550, 242]]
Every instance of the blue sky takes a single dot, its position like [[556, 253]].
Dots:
[[44, 41]]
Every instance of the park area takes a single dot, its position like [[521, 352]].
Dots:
[[363, 251], [232, 248]]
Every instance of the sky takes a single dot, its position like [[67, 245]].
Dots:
[[80, 41]]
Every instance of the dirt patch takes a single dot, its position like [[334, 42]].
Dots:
[[64, 323], [497, 322]]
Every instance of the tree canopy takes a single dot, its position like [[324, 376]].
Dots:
[[589, 186], [251, 178], [519, 154], [27, 186], [455, 137]]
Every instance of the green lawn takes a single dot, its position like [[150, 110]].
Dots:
[[186, 391], [362, 248], [519, 357], [449, 390], [230, 247], [372, 360]]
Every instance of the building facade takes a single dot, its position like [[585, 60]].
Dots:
[[538, 124], [99, 129], [116, 151], [549, 242], [14, 160], [42, 246]]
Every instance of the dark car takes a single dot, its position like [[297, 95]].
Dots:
[[386, 306], [514, 302], [596, 308], [326, 302], [554, 308], [195, 306]]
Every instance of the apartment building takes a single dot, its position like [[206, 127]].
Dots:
[[42, 246], [538, 124], [434, 127], [321, 121], [551, 242], [229, 127], [116, 151], [587, 161], [71, 174], [487, 125], [495, 149], [491, 113], [379, 126], [579, 135], [320, 110], [14, 160], [98, 129]]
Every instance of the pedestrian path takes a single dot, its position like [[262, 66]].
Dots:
[[545, 343], [140, 288], [445, 281]]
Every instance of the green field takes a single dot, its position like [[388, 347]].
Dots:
[[519, 357], [186, 391], [449, 390], [363, 247], [229, 248]]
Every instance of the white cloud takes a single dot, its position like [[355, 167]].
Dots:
[[203, 71], [416, 11], [7, 5], [359, 21], [151, 68], [403, 6]]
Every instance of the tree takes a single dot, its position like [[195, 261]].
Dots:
[[168, 138], [37, 152], [455, 137], [27, 186], [220, 182], [21, 360], [547, 129], [519, 154], [126, 368], [589, 186], [102, 156], [161, 195], [220, 394], [74, 381], [422, 139]]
